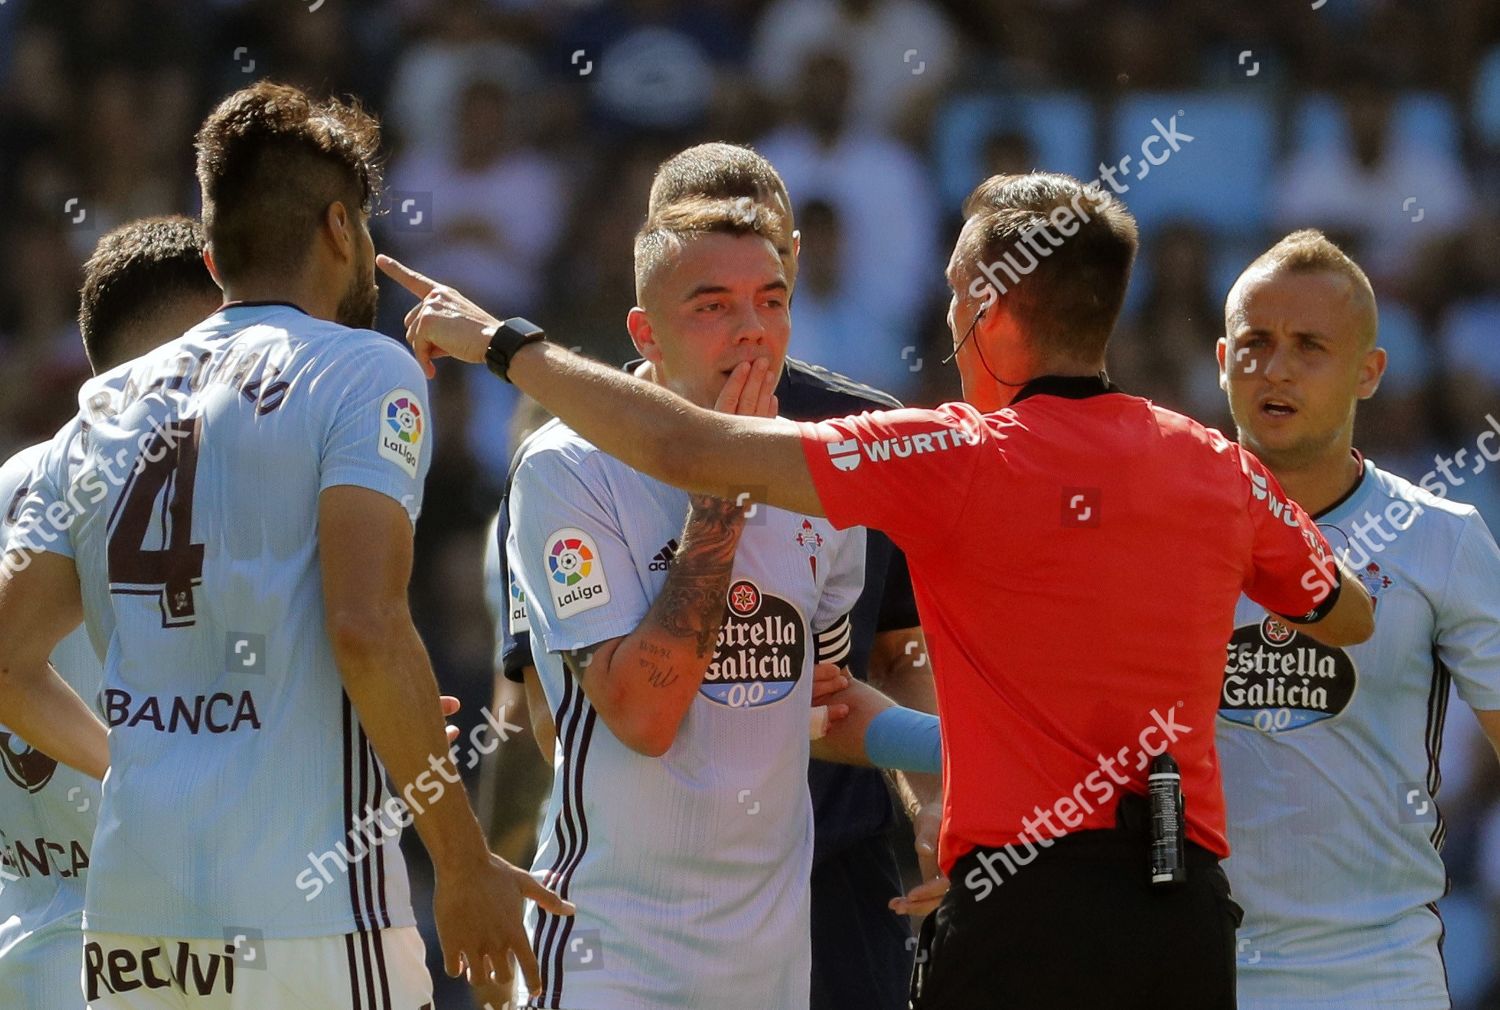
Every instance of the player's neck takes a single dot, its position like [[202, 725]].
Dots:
[[1318, 484], [291, 294]]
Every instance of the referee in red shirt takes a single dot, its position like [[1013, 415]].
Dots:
[[1076, 553]]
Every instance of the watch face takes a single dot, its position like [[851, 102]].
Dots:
[[524, 329]]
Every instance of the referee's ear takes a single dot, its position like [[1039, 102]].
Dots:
[[642, 335]]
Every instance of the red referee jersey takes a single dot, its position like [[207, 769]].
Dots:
[[1076, 558]]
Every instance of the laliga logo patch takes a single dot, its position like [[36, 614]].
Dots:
[[762, 644], [519, 620], [401, 430], [575, 572], [1277, 680]]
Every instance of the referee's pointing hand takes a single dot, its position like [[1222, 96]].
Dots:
[[443, 323]]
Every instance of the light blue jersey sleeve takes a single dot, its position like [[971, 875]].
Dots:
[[833, 631], [379, 433], [846, 579], [1468, 618], [571, 556], [41, 515], [496, 587]]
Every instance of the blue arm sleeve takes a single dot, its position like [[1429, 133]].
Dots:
[[903, 739]]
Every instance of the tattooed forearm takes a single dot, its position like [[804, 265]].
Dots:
[[656, 662], [691, 603]]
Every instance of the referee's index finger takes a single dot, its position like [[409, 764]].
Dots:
[[417, 284]]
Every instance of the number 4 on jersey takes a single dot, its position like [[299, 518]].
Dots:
[[163, 476]]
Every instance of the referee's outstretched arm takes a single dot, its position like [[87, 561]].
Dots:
[[659, 433], [648, 428]]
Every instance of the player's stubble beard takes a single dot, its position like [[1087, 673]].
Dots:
[[361, 299], [1305, 452]]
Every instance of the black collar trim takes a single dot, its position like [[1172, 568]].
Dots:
[[1359, 482], [260, 305], [1071, 387]]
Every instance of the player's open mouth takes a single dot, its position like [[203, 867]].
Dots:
[[1277, 408]]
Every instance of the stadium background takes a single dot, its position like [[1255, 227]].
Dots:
[[523, 135]]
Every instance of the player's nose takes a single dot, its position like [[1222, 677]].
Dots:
[[1277, 362], [749, 327]]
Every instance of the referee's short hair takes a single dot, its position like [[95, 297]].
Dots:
[[1057, 255], [270, 162], [136, 272], [661, 237]]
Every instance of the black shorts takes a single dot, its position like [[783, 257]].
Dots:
[[1080, 926]]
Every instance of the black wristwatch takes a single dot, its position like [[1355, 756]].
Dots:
[[506, 339]]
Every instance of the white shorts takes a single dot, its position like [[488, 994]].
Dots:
[[379, 970]]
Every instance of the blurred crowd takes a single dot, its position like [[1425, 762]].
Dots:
[[523, 135]]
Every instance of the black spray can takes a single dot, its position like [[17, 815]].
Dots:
[[1168, 837]]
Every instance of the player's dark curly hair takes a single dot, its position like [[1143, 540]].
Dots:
[[270, 161], [135, 271]]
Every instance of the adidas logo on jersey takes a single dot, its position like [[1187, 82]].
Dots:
[[664, 557]]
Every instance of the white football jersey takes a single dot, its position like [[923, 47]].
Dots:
[[1330, 760], [242, 789], [48, 813], [690, 871]]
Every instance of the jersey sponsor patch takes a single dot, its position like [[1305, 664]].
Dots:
[[516, 605], [401, 428], [1276, 679], [575, 572], [846, 455], [758, 658]]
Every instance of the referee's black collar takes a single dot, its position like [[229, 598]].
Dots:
[[1072, 387]]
